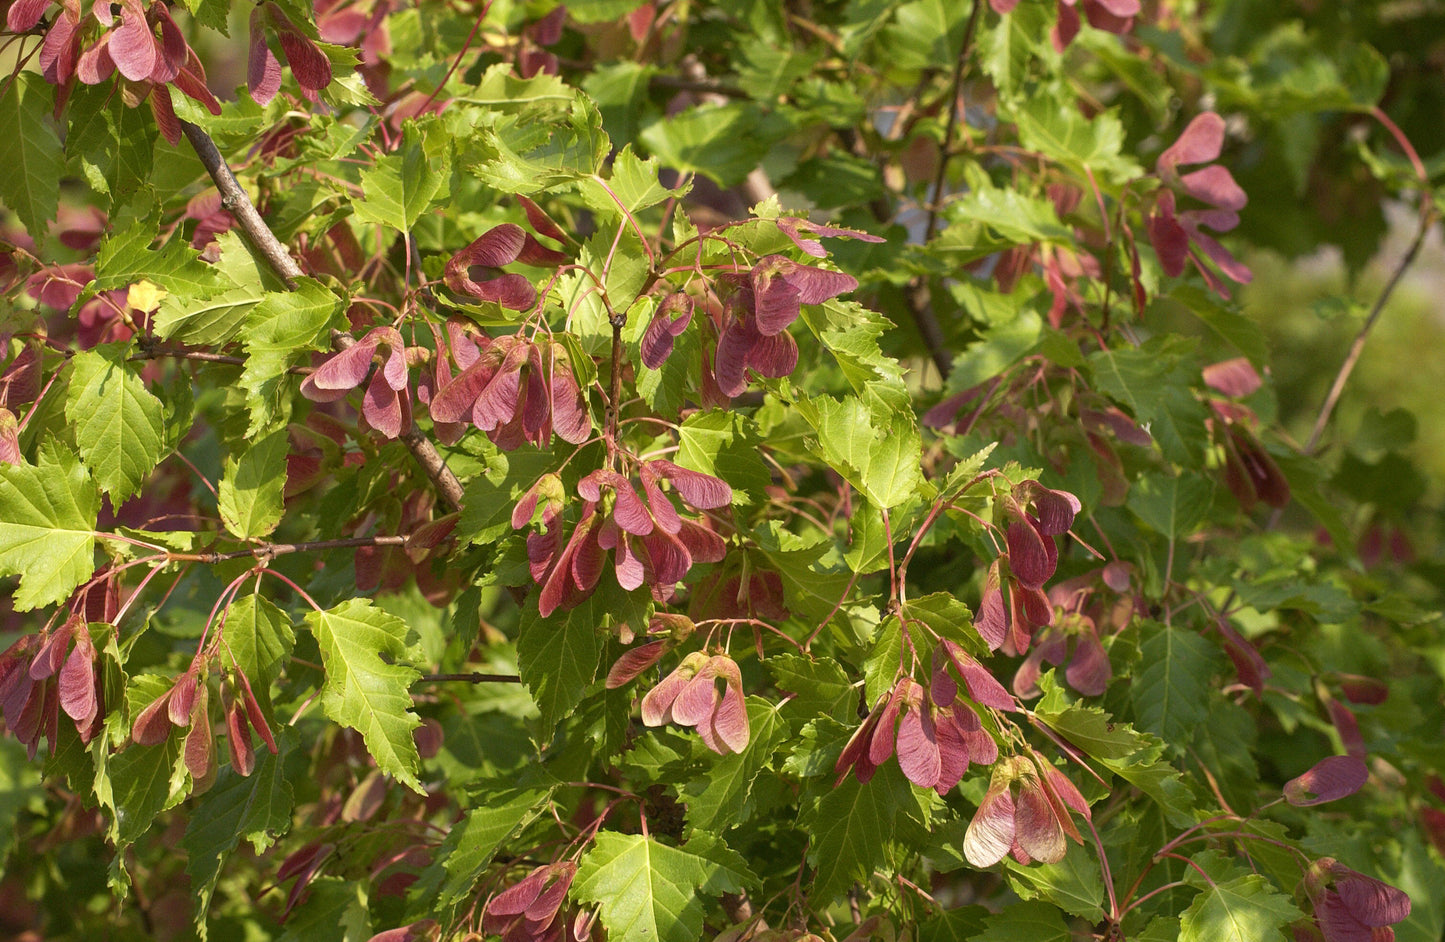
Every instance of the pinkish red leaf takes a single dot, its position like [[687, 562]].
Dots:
[[1236, 377], [95, 64], [1170, 241], [77, 684], [729, 721], [1089, 671], [992, 621], [1371, 901], [1330, 779], [182, 699], [1367, 690], [919, 754], [668, 322], [700, 490], [1200, 143], [663, 513], [383, 407], [990, 833], [776, 302], [133, 46], [152, 725], [774, 356], [657, 703], [496, 404], [199, 758], [885, 735], [344, 370], [23, 15], [634, 662], [454, 401], [1038, 830], [982, 686], [308, 63], [61, 47], [570, 418], [799, 230], [1056, 510], [238, 734], [733, 345], [1214, 185], [816, 285], [1028, 554]]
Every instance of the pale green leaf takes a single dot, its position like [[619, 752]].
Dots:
[[723, 142], [207, 321], [249, 495], [402, 185], [725, 444], [119, 425], [128, 255], [114, 144], [648, 891], [1245, 909], [47, 526], [877, 451], [1155, 383], [1063, 133], [29, 151], [633, 187], [365, 692]]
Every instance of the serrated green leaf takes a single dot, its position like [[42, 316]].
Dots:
[[557, 658], [724, 443], [365, 692], [1007, 51], [1035, 921], [258, 641], [249, 495], [334, 910], [143, 784], [119, 425], [279, 332], [850, 826], [255, 807], [114, 144], [1081, 143], [522, 154], [497, 813], [877, 451], [1013, 215], [648, 891], [402, 185], [127, 256], [47, 526], [1155, 383], [1245, 909], [819, 686], [207, 321], [723, 142], [719, 799], [1074, 884], [1172, 506], [632, 187], [29, 151], [1171, 687]]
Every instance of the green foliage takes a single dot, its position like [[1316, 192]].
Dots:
[[719, 471]]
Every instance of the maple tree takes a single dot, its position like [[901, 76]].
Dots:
[[675, 470]]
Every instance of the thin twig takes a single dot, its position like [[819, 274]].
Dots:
[[1357, 347], [920, 302], [474, 677], [270, 550]]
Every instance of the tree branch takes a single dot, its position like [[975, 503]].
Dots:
[[239, 205], [474, 677]]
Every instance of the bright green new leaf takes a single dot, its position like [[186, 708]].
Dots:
[[633, 187], [1245, 909], [258, 641], [878, 451], [365, 692], [1154, 383], [29, 151], [119, 425], [403, 184], [1082, 143], [648, 891], [249, 495], [723, 142], [212, 320], [47, 526]]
